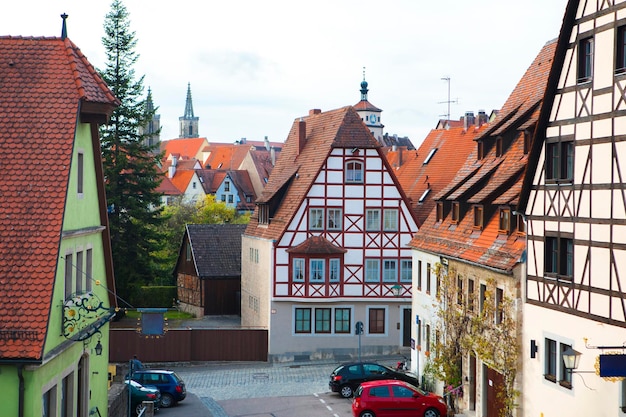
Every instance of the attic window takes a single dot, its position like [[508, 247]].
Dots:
[[264, 214], [480, 149], [430, 155], [456, 212], [354, 172], [424, 195], [499, 146], [505, 220], [478, 217], [439, 211]]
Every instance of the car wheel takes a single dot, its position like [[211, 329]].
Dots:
[[431, 412], [138, 409], [346, 391], [367, 414], [167, 401]]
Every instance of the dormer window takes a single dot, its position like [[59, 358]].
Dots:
[[354, 172], [520, 224], [527, 137], [264, 214], [499, 146], [439, 211], [456, 212], [504, 225], [480, 149], [478, 217]]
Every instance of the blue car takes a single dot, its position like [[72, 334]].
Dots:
[[172, 386]]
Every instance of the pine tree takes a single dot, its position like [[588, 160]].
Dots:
[[130, 167]]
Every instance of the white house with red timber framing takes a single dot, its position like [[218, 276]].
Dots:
[[327, 245]]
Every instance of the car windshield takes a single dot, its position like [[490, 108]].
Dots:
[[422, 392]]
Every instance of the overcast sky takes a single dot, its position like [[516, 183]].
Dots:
[[255, 66]]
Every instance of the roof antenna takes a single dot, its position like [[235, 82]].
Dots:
[[447, 79], [64, 28]]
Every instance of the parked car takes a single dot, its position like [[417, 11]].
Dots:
[[347, 377], [396, 398], [140, 393], [172, 386]]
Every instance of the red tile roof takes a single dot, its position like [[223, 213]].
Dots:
[[226, 156], [366, 105], [44, 84], [188, 147], [451, 148], [340, 128], [491, 181]]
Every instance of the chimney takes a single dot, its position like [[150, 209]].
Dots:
[[469, 119], [273, 155], [399, 156], [267, 143], [314, 112], [172, 169], [482, 118], [301, 134]]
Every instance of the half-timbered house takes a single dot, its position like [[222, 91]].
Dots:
[[468, 256], [327, 245], [575, 205]]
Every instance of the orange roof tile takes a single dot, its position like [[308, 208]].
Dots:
[[188, 147], [44, 84], [450, 148], [491, 181]]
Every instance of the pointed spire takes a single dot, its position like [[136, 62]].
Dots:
[[188, 104], [149, 103], [64, 27], [364, 89]]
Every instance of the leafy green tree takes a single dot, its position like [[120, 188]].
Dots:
[[211, 211], [130, 166]]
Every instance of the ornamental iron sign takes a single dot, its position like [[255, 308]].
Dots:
[[83, 316]]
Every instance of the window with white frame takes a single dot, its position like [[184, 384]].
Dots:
[[390, 270], [334, 270], [372, 220], [372, 270], [354, 172], [390, 223], [316, 270], [334, 219], [316, 219], [298, 269]]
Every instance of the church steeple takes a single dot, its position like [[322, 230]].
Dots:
[[188, 122], [152, 129]]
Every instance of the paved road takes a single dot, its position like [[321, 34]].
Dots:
[[243, 389]]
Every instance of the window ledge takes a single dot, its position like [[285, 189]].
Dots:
[[550, 378], [565, 384]]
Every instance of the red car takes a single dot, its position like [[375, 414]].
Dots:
[[396, 398]]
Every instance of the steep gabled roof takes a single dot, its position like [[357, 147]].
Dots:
[[216, 249], [491, 181], [45, 84], [433, 165], [297, 168]]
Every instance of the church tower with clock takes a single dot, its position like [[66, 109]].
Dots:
[[369, 113]]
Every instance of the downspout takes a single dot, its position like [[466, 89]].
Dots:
[[20, 405]]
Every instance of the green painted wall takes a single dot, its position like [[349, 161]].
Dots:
[[64, 357]]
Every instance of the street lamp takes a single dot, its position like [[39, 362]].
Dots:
[[571, 358], [397, 290]]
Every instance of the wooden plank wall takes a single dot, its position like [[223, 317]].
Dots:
[[189, 345]]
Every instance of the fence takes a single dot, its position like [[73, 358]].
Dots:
[[190, 345]]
